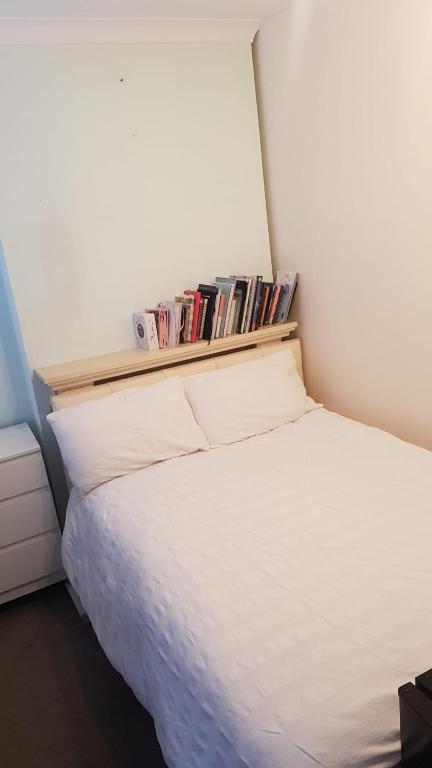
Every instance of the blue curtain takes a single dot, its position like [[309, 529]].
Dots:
[[17, 400]]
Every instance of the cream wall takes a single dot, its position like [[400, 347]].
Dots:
[[346, 117], [127, 173]]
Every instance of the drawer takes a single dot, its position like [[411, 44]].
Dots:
[[29, 560], [25, 473], [27, 515]]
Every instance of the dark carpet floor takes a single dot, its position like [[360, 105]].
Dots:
[[61, 702]]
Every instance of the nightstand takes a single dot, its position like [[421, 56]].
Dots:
[[30, 536]]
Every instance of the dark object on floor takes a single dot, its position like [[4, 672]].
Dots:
[[415, 705], [62, 705]]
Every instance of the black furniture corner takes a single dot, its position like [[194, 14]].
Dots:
[[415, 705]]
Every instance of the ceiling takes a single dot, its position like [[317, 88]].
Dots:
[[150, 9]]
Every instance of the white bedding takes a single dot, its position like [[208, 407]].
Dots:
[[264, 600]]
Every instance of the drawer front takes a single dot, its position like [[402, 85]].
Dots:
[[27, 515], [29, 560], [20, 475]]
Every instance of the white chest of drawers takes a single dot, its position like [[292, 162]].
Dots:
[[29, 531]]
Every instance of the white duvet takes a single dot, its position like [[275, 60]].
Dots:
[[266, 599]]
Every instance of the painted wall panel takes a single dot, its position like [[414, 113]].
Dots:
[[128, 173], [346, 119]]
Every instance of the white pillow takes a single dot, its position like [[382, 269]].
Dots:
[[233, 403], [103, 439]]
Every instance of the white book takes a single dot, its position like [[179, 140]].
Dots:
[[145, 330], [231, 317], [215, 315]]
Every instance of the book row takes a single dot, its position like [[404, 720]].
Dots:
[[235, 304]]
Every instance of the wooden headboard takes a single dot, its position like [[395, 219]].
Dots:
[[94, 377]]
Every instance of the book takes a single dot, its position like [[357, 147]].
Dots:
[[291, 299], [196, 307], [231, 318], [289, 279], [252, 298], [269, 305], [215, 315], [161, 318], [220, 315], [145, 330], [247, 280], [238, 297], [204, 303], [187, 303], [210, 292], [200, 314], [226, 285], [178, 322], [172, 330], [261, 306], [251, 302], [241, 285], [254, 321], [275, 298], [162, 327], [268, 289], [280, 305]]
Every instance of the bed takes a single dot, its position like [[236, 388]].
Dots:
[[264, 599]]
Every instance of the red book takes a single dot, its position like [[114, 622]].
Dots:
[[196, 310]]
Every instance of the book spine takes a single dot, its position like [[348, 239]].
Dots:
[[275, 297], [251, 302], [237, 315], [163, 328], [178, 317], [231, 317], [203, 317], [150, 331], [195, 297], [220, 314], [261, 306], [215, 316], [269, 304], [200, 314], [224, 317], [276, 317], [283, 303], [291, 296], [187, 331], [245, 308], [254, 324], [229, 300]]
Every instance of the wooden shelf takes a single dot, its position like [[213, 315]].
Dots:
[[91, 370]]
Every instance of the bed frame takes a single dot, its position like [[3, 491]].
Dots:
[[71, 383], [94, 377]]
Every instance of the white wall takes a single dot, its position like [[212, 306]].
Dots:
[[346, 117], [127, 173]]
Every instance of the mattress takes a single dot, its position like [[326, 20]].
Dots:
[[265, 600]]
